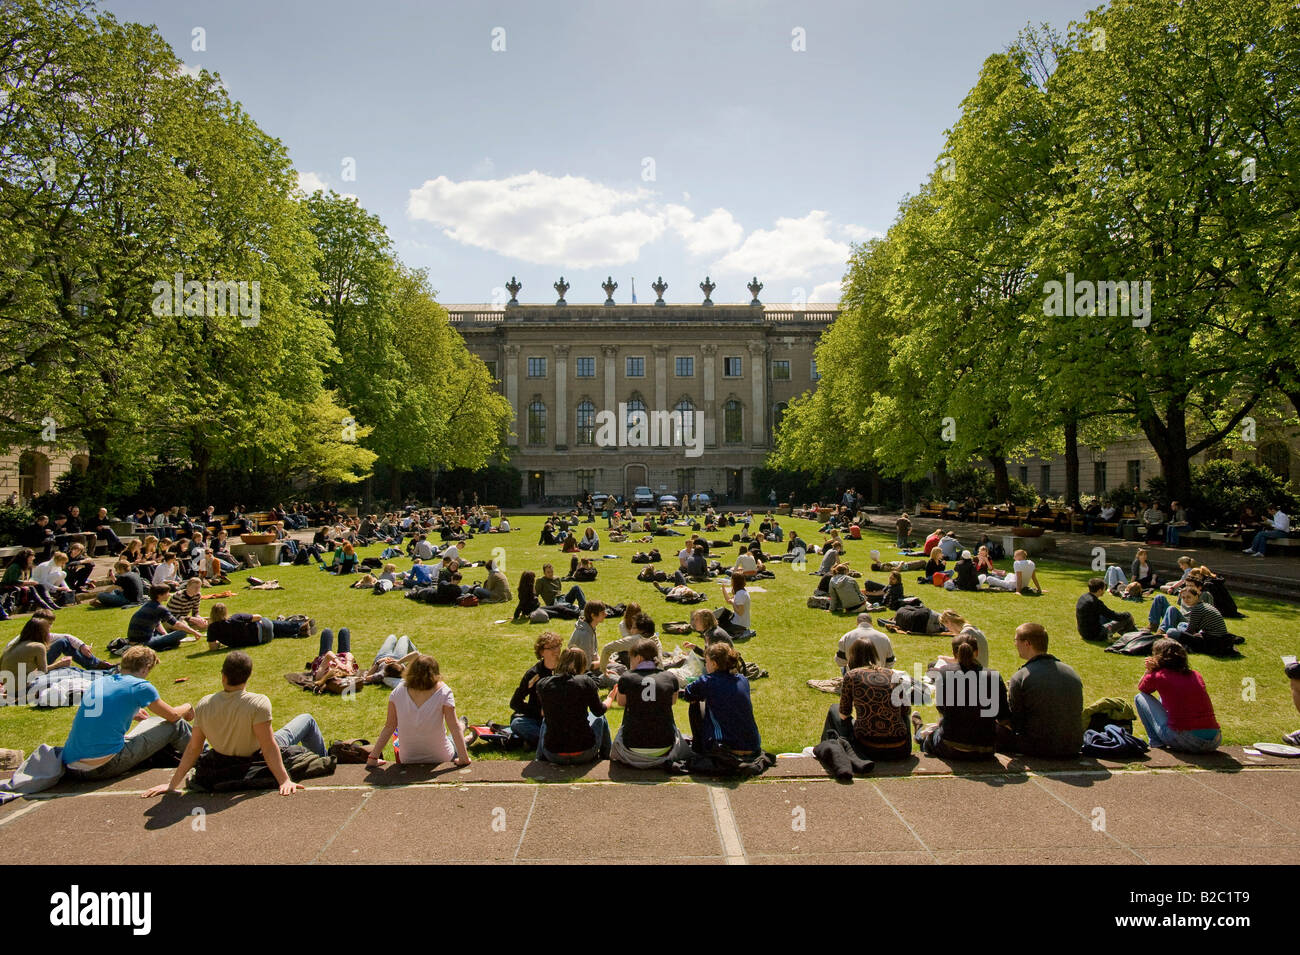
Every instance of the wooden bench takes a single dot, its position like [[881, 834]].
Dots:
[[7, 552]]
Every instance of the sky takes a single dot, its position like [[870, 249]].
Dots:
[[728, 138]]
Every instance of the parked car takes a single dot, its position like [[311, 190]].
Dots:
[[599, 498], [667, 500], [700, 500], [643, 497]]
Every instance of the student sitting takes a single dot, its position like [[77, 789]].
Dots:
[[35, 650], [648, 738], [845, 595], [1199, 622], [1046, 700], [1023, 576], [250, 629], [1182, 719], [147, 624], [735, 617], [237, 726], [864, 631], [185, 603], [1096, 621], [525, 705], [955, 624], [868, 714], [127, 590], [51, 575], [548, 588], [1143, 572], [721, 713], [574, 728], [641, 628], [965, 575], [589, 540], [98, 747], [422, 712], [968, 721], [18, 578], [935, 565]]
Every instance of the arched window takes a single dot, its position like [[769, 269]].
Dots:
[[33, 474], [733, 422], [686, 408], [80, 463], [537, 423], [586, 422]]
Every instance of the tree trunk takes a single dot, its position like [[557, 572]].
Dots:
[[875, 487], [99, 470], [1001, 481], [1072, 461], [941, 479], [202, 457], [1169, 441], [395, 487]]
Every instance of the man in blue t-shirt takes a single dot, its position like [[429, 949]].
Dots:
[[98, 747]]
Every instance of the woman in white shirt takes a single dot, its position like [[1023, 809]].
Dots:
[[422, 712], [167, 573], [734, 618]]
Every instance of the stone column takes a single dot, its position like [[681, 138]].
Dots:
[[661, 378], [708, 356], [561, 396], [758, 378], [610, 352], [512, 388]]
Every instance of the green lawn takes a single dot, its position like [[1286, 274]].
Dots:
[[482, 661]]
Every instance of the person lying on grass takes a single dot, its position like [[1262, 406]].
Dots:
[[225, 629]]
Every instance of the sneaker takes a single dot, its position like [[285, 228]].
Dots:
[[1292, 739], [1248, 552], [1257, 554]]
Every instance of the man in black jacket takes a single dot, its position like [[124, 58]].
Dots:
[[525, 706], [1094, 619]]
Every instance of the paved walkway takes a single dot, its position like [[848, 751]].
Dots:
[[1222, 809]]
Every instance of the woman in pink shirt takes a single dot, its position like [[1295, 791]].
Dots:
[[1182, 719]]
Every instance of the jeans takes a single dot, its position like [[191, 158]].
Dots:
[[327, 640], [151, 736], [166, 641], [110, 537], [74, 648], [393, 646], [600, 749], [526, 729], [576, 597], [302, 731], [1115, 577], [621, 753], [1262, 538], [79, 574], [113, 598], [1164, 615], [1173, 533], [1156, 720]]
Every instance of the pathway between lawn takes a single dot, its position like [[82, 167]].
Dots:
[[1228, 808]]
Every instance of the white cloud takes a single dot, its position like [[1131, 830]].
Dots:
[[860, 233], [546, 220], [715, 233], [827, 293], [793, 248], [309, 182]]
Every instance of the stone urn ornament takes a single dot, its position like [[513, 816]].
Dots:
[[707, 288], [660, 286], [561, 287], [609, 285], [513, 287], [755, 286]]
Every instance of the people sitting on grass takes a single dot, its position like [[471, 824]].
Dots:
[[548, 588], [156, 627], [1182, 719], [236, 726], [1142, 572], [648, 738], [1023, 578], [53, 577], [873, 709], [706, 625], [615, 655], [126, 590], [525, 705], [1096, 621], [949, 546], [971, 701], [1198, 623], [529, 602], [589, 540], [735, 617], [574, 728], [344, 561], [168, 572], [36, 650], [1186, 567], [721, 712], [864, 631], [185, 604], [584, 631], [422, 712], [18, 581], [957, 625], [225, 629], [932, 541], [845, 594], [832, 554], [98, 747], [1046, 700], [935, 565], [1278, 525]]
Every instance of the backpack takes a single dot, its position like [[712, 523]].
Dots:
[[349, 751], [819, 603], [467, 600]]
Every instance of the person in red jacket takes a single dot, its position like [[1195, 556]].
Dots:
[[1182, 719], [932, 541]]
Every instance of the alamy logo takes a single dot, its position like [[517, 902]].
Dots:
[[1103, 299], [77, 908], [656, 429], [215, 299]]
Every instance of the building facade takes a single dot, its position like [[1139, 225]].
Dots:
[[594, 389]]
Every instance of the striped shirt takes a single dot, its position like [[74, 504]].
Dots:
[[183, 604]]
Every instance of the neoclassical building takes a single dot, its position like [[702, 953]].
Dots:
[[570, 370]]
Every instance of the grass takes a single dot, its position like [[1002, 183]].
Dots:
[[483, 661]]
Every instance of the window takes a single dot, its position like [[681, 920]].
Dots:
[[635, 404], [586, 482], [733, 422], [686, 409], [685, 366], [586, 368], [492, 369], [1135, 473], [536, 422], [586, 423], [733, 367], [1045, 476], [537, 368], [780, 371], [813, 373], [685, 482], [636, 367], [1024, 474], [1098, 477]]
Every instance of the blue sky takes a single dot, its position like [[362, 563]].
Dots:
[[608, 138]]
